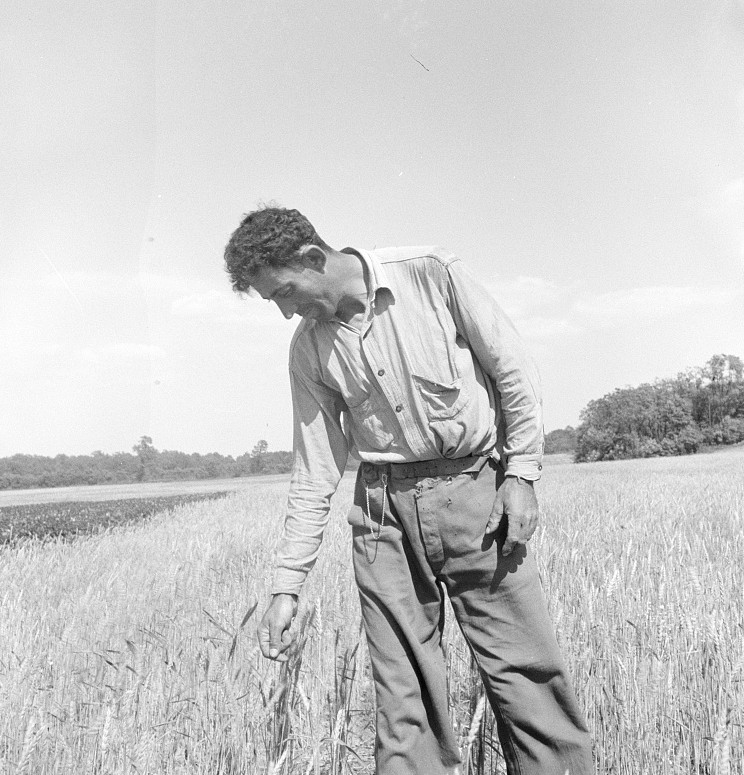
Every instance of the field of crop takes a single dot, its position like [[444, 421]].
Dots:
[[133, 650], [74, 518]]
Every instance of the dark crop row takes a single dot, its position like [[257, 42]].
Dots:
[[51, 520]]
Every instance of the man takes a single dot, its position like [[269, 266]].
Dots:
[[404, 358]]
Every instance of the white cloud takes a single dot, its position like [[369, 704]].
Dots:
[[723, 210], [89, 283], [522, 296], [48, 294], [120, 351], [232, 313], [732, 199], [731, 204], [651, 303], [161, 284], [544, 310], [539, 329], [212, 303], [16, 347]]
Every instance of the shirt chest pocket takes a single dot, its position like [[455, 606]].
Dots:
[[436, 368], [441, 400]]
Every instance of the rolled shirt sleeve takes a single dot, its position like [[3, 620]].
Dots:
[[505, 360]]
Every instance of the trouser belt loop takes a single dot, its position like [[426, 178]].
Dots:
[[482, 462], [378, 469]]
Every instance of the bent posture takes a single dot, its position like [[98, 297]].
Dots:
[[404, 359]]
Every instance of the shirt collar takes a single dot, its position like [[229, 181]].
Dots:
[[378, 278]]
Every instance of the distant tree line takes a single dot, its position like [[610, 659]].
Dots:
[[562, 440], [701, 407], [145, 464]]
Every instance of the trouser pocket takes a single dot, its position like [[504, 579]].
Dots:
[[370, 497]]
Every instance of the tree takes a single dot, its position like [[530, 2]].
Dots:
[[560, 440], [668, 417], [723, 381], [258, 456], [147, 455], [637, 422]]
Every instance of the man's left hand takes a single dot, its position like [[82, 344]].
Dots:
[[516, 498]]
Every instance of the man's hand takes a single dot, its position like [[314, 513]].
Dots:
[[516, 498], [274, 637]]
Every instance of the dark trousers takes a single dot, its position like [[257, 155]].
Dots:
[[432, 538]]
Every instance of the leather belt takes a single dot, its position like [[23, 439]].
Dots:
[[424, 468]]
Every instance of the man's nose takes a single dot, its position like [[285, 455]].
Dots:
[[288, 310]]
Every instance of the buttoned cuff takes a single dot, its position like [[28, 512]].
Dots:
[[288, 581], [525, 467]]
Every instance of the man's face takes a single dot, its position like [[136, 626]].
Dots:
[[298, 289]]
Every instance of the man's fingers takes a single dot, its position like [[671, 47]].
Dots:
[[512, 542], [263, 640], [521, 509], [278, 653], [497, 514], [513, 535], [276, 636], [509, 544], [519, 532]]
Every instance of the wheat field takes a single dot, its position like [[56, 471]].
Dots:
[[134, 650]]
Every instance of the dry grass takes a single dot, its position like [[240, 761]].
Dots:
[[133, 651]]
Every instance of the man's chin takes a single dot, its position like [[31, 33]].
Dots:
[[317, 313]]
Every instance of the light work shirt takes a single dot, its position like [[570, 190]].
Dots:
[[436, 370]]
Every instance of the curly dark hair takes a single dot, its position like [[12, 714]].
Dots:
[[269, 236]]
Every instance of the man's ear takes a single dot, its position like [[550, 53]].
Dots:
[[313, 257]]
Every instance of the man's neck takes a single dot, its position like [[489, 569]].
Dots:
[[355, 289]]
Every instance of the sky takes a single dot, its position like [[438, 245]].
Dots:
[[586, 159]]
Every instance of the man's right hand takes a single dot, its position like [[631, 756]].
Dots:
[[274, 637]]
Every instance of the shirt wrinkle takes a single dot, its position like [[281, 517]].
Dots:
[[438, 372]]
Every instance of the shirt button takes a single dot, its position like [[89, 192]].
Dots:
[[539, 468], [381, 373], [399, 408]]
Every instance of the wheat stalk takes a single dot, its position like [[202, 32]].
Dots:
[[30, 740], [106, 734], [276, 769], [722, 740], [473, 730]]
